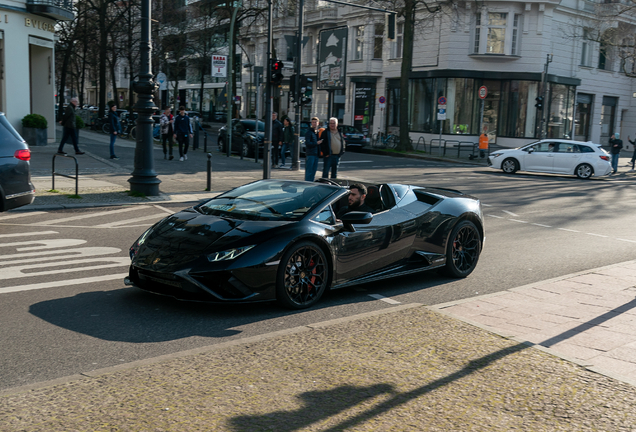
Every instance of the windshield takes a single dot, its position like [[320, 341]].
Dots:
[[250, 126], [268, 200], [8, 128]]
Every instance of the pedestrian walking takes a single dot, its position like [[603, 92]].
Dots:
[[277, 138], [115, 128], [312, 145], [183, 133], [288, 141], [333, 147], [69, 128], [616, 144], [631, 162], [166, 121]]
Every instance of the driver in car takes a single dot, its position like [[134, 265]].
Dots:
[[357, 194]]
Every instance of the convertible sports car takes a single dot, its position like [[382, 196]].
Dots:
[[279, 239]]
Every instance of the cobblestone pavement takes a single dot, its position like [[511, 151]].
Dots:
[[404, 369]]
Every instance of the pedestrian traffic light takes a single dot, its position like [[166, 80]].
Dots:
[[305, 90], [292, 88], [276, 76], [539, 104]]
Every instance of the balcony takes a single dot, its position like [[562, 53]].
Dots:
[[321, 16], [60, 10]]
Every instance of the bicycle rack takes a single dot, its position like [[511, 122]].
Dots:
[[466, 144], [76, 177], [423, 141], [439, 145]]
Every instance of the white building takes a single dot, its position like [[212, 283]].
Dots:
[[502, 45], [27, 61]]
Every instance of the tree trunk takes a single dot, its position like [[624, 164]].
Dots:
[[103, 49], [407, 62]]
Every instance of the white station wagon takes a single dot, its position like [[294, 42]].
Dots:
[[554, 156]]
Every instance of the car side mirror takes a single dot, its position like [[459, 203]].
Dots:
[[530, 150], [355, 217]]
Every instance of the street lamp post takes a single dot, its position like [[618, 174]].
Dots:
[[144, 179]]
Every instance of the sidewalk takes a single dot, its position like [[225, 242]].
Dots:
[[467, 366]]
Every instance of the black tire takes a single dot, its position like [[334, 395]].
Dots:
[[221, 145], [463, 249], [584, 171], [510, 166], [133, 133], [303, 275]]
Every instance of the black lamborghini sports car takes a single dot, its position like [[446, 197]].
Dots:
[[281, 240]]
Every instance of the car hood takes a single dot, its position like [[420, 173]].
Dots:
[[191, 231]]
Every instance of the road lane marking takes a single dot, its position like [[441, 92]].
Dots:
[[568, 230], [164, 209], [510, 213], [44, 244], [56, 255], [516, 220], [625, 240], [86, 216], [495, 216], [384, 299], [124, 222], [541, 225], [19, 215], [597, 235], [28, 234], [15, 272], [42, 285]]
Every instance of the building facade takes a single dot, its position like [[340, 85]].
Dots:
[[504, 46], [27, 68]]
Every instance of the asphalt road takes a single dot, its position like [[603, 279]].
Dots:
[[65, 310]]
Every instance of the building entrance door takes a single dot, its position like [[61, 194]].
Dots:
[[608, 118], [583, 116]]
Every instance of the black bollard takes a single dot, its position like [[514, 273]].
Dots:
[[209, 188], [205, 141]]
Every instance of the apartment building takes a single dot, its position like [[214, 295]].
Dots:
[[27, 80]]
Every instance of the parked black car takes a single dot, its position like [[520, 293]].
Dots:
[[353, 136], [16, 189], [281, 240], [245, 137]]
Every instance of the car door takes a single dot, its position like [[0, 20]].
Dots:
[[378, 246], [566, 157], [539, 158]]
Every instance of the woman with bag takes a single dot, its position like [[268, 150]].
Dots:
[[288, 141]]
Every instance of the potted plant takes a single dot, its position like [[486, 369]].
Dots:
[[34, 129]]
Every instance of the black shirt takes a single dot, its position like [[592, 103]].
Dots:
[[363, 208]]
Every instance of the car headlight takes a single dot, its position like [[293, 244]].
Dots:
[[496, 154], [135, 247], [229, 254]]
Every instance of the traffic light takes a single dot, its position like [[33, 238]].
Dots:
[[539, 104], [292, 88], [305, 90], [276, 76]]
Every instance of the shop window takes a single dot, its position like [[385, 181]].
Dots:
[[421, 97], [393, 113], [358, 42], [460, 94], [396, 49], [378, 41], [518, 113], [560, 111]]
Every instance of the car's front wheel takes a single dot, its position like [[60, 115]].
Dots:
[[221, 144], [584, 171], [509, 166], [463, 249], [303, 275]]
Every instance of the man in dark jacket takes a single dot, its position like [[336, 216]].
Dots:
[[69, 128], [616, 144], [183, 133], [277, 138], [115, 128], [333, 146]]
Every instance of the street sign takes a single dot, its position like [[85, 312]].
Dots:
[[219, 66], [483, 92], [441, 114], [441, 100], [332, 58], [162, 79], [382, 99]]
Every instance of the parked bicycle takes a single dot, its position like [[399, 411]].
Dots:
[[385, 141]]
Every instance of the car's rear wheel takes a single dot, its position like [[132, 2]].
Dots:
[[303, 275], [510, 166], [247, 150], [221, 144], [584, 171], [463, 249]]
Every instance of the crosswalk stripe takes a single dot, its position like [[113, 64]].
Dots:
[[69, 282], [15, 272], [86, 216], [28, 234], [124, 222], [21, 214]]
